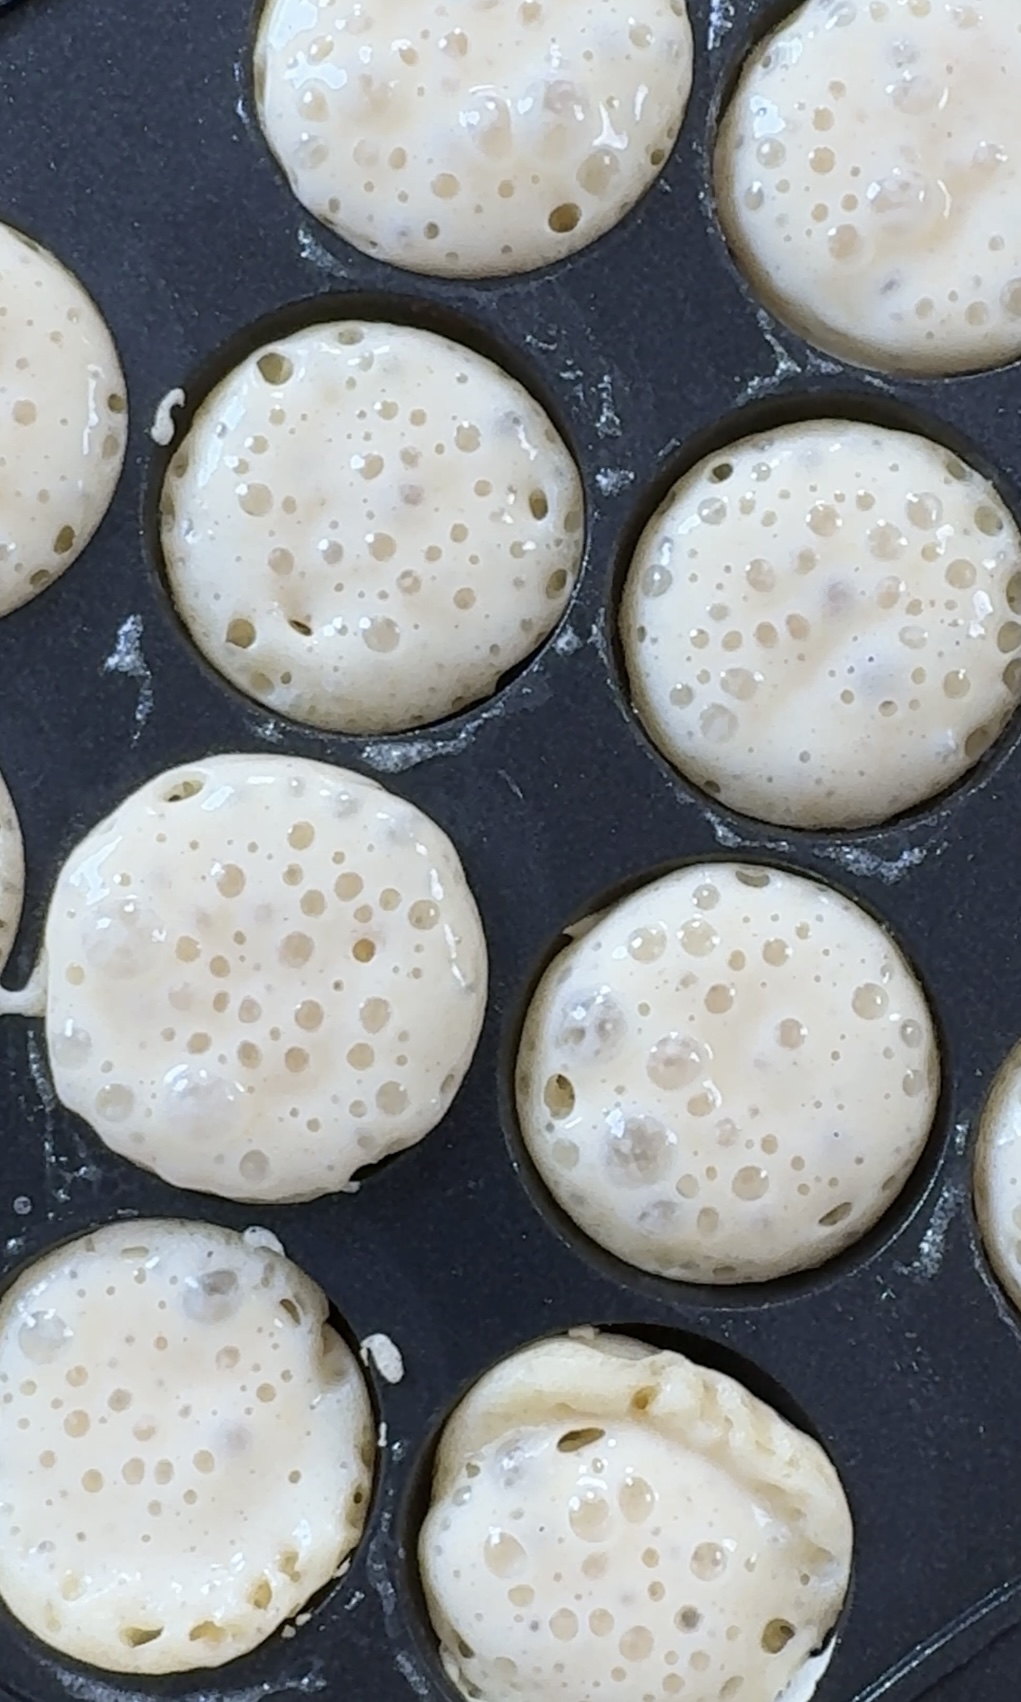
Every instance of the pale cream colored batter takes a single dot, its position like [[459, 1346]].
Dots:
[[869, 180], [489, 137], [821, 625], [188, 1446], [368, 525], [263, 973], [729, 1076], [63, 419], [608, 1517], [12, 873], [998, 1176]]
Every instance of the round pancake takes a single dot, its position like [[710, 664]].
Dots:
[[12, 873], [63, 419], [998, 1177], [263, 973], [601, 1509], [478, 139], [729, 1076], [868, 172], [367, 525], [188, 1446], [820, 624]]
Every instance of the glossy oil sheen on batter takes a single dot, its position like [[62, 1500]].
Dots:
[[478, 138]]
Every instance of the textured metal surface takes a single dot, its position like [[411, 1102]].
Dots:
[[127, 147]]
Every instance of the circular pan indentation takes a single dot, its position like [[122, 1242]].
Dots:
[[282, 958], [12, 873], [488, 148], [865, 222], [392, 563], [63, 423], [799, 637], [580, 1389], [179, 1278], [850, 1240], [997, 1177], [35, 1671]]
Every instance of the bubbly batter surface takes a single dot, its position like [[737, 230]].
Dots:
[[869, 180], [821, 626], [604, 1515], [729, 1076], [368, 525], [263, 973], [472, 139], [188, 1446], [63, 419]]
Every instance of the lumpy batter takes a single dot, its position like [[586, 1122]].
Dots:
[[729, 1076], [869, 178], [368, 525], [262, 974], [488, 137], [188, 1446], [821, 626], [605, 1512], [63, 419]]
